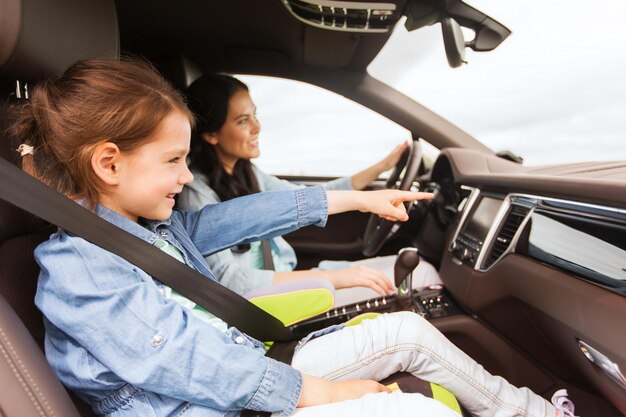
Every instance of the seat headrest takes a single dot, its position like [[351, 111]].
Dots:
[[41, 38]]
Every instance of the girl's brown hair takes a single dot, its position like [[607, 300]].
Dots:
[[94, 101]]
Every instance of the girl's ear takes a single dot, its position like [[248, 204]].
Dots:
[[210, 138], [104, 162]]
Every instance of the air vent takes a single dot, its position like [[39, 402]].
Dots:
[[514, 218], [345, 15]]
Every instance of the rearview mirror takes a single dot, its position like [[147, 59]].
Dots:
[[453, 41]]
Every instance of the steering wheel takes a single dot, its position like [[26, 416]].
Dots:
[[379, 230]]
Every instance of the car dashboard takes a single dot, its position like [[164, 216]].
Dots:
[[534, 272], [583, 239], [539, 255], [532, 261]]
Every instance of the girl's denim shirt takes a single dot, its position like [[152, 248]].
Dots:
[[113, 338]]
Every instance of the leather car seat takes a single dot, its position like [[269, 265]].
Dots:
[[30, 388], [37, 39]]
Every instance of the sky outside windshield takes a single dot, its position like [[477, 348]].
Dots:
[[553, 92]]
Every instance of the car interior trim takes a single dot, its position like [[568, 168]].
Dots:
[[466, 204], [610, 368], [344, 16], [565, 242], [592, 215], [491, 234]]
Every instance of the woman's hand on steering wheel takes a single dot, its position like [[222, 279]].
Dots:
[[362, 179], [391, 160]]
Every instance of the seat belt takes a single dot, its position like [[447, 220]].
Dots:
[[268, 260], [30, 194]]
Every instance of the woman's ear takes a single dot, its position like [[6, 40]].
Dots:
[[210, 138], [104, 162]]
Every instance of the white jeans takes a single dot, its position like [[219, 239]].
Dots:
[[405, 341]]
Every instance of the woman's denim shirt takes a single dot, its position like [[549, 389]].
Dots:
[[233, 271], [113, 337]]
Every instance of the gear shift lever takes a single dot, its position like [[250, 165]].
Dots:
[[406, 261]]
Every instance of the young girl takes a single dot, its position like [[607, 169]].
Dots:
[[225, 139], [114, 137]]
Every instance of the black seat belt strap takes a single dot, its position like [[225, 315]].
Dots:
[[268, 260]]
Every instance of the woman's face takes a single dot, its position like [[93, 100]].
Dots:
[[238, 138]]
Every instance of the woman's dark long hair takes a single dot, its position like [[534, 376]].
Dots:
[[208, 97]]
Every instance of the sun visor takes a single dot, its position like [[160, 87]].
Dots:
[[41, 38]]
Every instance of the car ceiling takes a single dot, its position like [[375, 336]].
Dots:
[[248, 36], [191, 37]]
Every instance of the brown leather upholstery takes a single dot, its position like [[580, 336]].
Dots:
[[29, 388], [28, 385], [40, 38], [18, 279], [18, 239]]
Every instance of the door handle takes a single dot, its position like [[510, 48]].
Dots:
[[610, 368]]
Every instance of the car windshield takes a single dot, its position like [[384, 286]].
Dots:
[[552, 92]]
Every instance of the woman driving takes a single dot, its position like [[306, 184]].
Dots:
[[224, 141]]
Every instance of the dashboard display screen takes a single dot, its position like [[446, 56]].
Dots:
[[481, 218]]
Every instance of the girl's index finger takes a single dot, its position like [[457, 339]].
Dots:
[[414, 195]]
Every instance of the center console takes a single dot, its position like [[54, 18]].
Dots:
[[430, 303], [479, 217]]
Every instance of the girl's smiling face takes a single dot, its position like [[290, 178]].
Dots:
[[238, 138], [148, 178]]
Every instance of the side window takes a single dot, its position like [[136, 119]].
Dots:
[[309, 131]]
